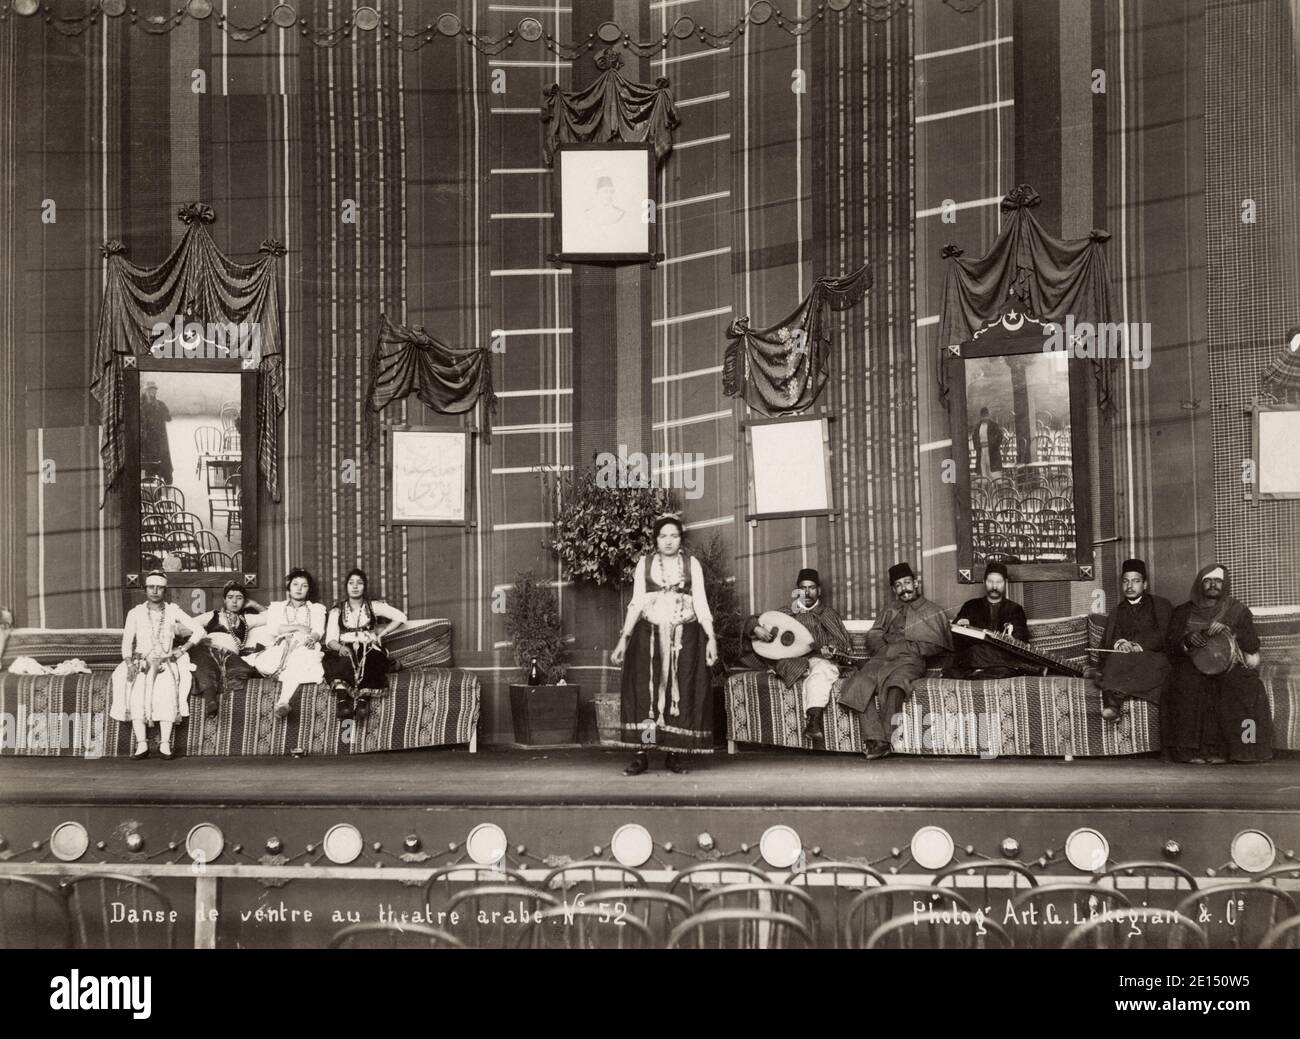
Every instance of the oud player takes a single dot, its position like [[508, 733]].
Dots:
[[1215, 709], [992, 611], [829, 637]]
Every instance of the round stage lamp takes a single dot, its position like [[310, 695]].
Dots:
[[684, 27], [1253, 851], [26, 7], [448, 25], [366, 18], [284, 16], [199, 9], [780, 847], [1087, 850], [113, 8], [932, 847], [609, 32], [342, 844], [486, 844], [760, 12], [839, 5], [530, 29], [632, 845], [205, 842], [69, 841]]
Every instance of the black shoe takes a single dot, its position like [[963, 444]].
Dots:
[[639, 764], [361, 708], [165, 751], [343, 709], [813, 724], [140, 753], [674, 764], [877, 749], [211, 707]]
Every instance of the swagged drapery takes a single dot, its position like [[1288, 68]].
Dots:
[[782, 369], [1050, 279], [611, 108], [447, 379], [200, 284]]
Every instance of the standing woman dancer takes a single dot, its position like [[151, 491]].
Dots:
[[666, 650]]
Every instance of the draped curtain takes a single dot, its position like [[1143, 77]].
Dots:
[[1046, 277], [782, 369], [448, 379], [198, 283], [611, 108]]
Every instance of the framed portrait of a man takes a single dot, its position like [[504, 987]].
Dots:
[[606, 203]]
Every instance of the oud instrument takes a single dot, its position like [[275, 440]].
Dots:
[[1020, 650], [792, 639]]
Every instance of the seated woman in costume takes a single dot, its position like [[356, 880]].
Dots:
[[218, 664], [295, 627], [356, 663], [152, 684]]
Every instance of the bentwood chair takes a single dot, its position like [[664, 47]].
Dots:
[[582, 878], [1280, 874], [1285, 935], [840, 881], [32, 912], [777, 898], [490, 916], [207, 441], [983, 876], [702, 876], [218, 561], [659, 910], [1044, 915], [168, 492], [115, 911], [227, 502], [960, 932], [1238, 916], [585, 927], [740, 929], [446, 881], [1139, 875], [877, 906], [385, 935], [1139, 927]]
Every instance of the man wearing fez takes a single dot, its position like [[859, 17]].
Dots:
[[907, 631], [1136, 630], [829, 636], [1213, 718], [992, 611]]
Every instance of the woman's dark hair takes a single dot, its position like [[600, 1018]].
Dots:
[[234, 586], [356, 571], [664, 521], [298, 572]]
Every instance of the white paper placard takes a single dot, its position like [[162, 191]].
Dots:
[[1277, 436], [428, 476], [788, 467]]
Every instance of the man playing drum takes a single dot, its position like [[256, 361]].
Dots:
[[1216, 709]]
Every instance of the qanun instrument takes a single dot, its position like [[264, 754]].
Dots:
[[1020, 650]]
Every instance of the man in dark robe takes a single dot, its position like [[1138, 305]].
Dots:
[[986, 438], [1223, 717], [155, 451], [992, 611], [1137, 628], [907, 631], [829, 637]]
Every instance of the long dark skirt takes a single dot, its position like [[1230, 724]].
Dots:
[[1220, 716], [218, 671], [690, 731], [342, 667]]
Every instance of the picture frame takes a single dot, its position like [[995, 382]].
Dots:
[[606, 203], [776, 447], [1046, 443], [1275, 434], [429, 477]]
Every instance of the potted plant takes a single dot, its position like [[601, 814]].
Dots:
[[543, 712]]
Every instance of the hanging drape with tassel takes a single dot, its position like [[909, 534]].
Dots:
[[782, 369], [1028, 270], [196, 283]]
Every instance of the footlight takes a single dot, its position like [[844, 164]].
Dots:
[[205, 842], [342, 844], [632, 845], [486, 844], [1087, 850], [780, 847], [1253, 851], [69, 841], [932, 847]]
